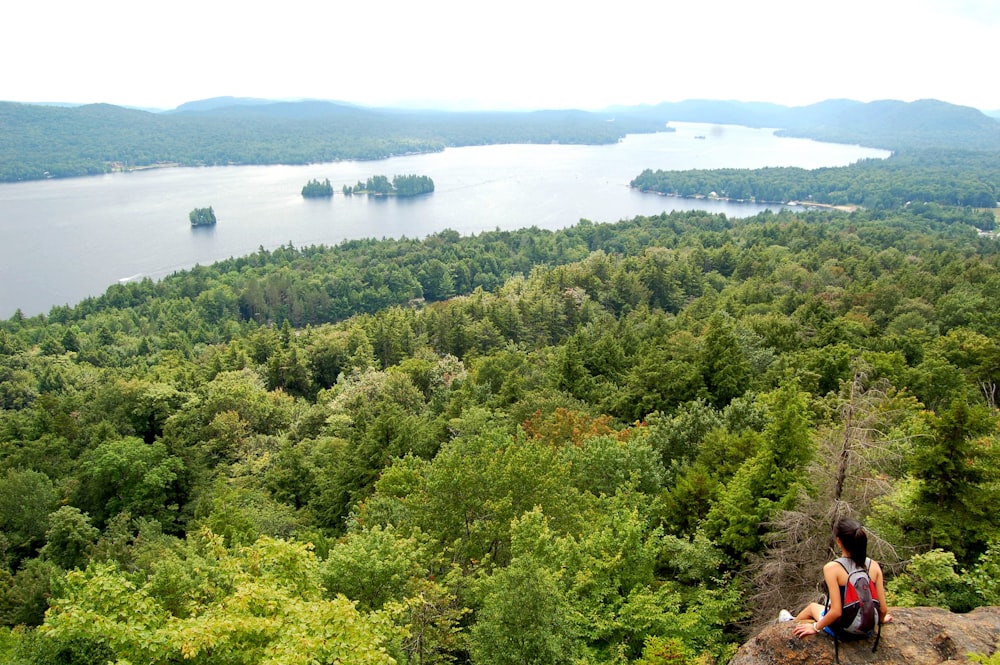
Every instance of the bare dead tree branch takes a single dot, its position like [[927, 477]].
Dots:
[[858, 458]]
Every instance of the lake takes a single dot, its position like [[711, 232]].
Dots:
[[64, 240]]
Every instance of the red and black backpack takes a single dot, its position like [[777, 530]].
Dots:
[[859, 618]]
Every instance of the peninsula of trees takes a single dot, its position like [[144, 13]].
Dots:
[[946, 177], [401, 185], [202, 216], [314, 189]]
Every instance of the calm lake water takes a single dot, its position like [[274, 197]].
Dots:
[[64, 240]]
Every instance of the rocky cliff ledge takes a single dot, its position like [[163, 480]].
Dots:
[[916, 636]]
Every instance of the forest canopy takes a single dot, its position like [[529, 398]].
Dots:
[[615, 443]]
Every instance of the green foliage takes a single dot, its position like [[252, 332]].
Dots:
[[70, 538], [726, 370], [243, 514], [948, 467], [938, 178], [930, 579], [202, 216], [400, 185], [467, 497], [603, 465], [934, 579], [524, 618], [412, 185], [433, 621], [24, 596], [26, 498], [257, 604], [129, 475], [985, 576], [769, 481], [992, 659], [314, 189], [374, 566]]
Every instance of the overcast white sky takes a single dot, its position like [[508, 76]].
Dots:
[[510, 54]]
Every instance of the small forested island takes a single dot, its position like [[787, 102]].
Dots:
[[401, 185], [314, 189], [202, 216]]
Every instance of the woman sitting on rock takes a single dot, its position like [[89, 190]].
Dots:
[[852, 573]]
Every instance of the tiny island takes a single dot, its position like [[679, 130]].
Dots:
[[202, 216], [314, 189], [400, 185]]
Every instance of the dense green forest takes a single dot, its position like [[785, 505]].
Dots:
[[947, 177], [608, 444]]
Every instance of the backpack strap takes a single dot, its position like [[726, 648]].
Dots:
[[849, 565], [878, 619], [843, 561]]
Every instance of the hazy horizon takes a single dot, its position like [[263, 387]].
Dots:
[[432, 105], [519, 56]]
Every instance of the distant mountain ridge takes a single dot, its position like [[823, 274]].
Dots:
[[267, 107], [888, 124], [43, 141], [215, 103]]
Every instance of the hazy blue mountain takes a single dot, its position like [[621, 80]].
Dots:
[[925, 123], [302, 108], [750, 114], [220, 103]]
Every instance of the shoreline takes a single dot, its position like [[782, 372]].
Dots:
[[798, 204], [119, 167]]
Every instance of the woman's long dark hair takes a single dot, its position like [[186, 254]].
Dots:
[[854, 539]]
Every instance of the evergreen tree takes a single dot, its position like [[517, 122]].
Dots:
[[952, 489], [769, 481], [725, 368]]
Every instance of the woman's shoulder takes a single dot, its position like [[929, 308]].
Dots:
[[833, 568], [836, 570]]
